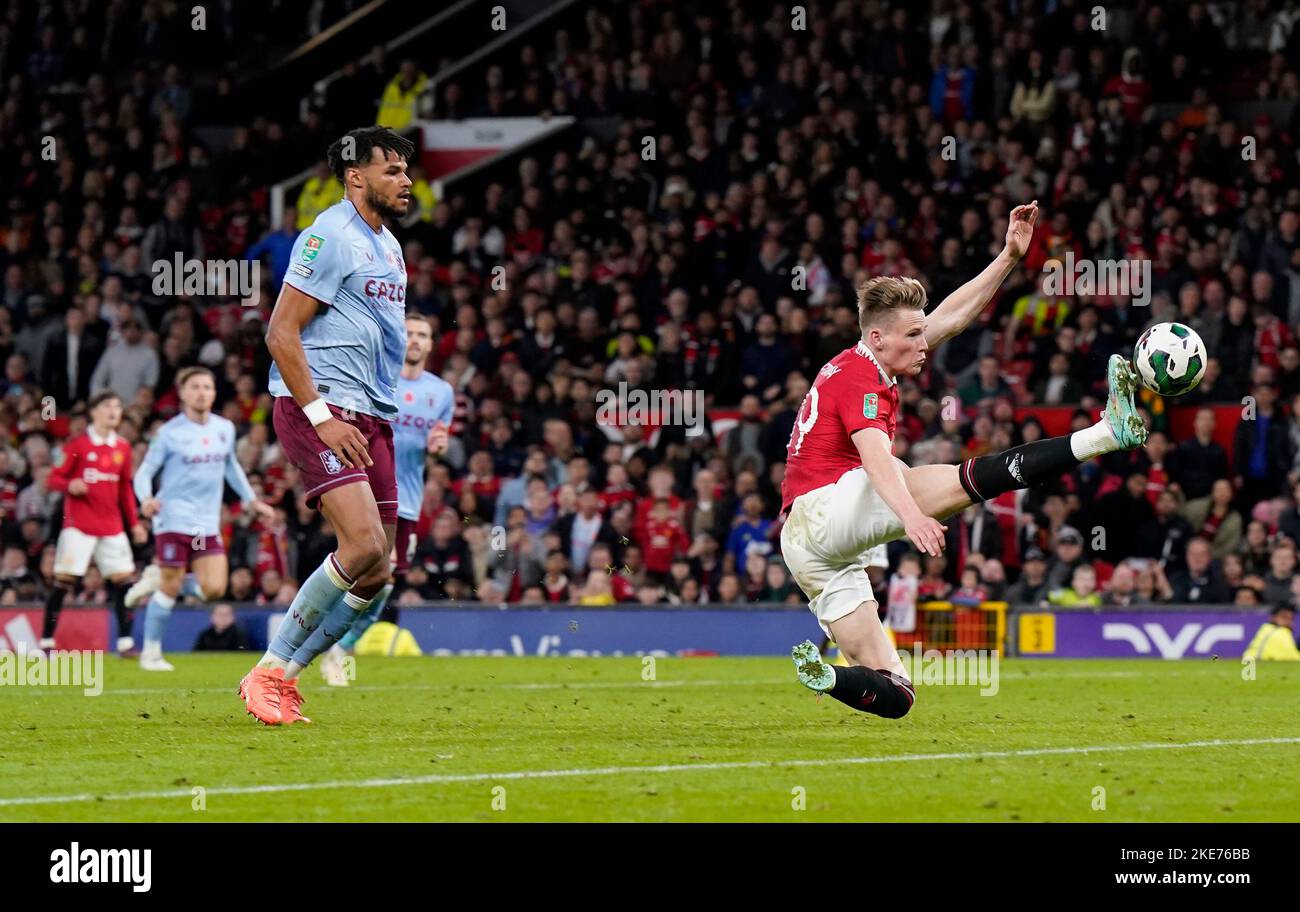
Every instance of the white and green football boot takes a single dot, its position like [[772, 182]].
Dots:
[[1121, 411], [812, 671]]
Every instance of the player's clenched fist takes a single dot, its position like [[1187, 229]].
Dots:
[[927, 534], [348, 444], [439, 438]]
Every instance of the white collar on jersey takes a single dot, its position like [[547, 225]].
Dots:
[[110, 440], [862, 349]]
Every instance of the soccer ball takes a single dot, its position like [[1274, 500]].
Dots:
[[1170, 359]]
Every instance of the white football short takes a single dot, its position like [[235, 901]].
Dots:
[[832, 535], [112, 553]]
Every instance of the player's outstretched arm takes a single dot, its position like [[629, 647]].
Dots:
[[293, 311], [874, 448], [959, 309]]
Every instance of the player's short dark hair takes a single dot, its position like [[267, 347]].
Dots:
[[880, 297], [185, 373], [101, 397], [422, 317], [360, 144]]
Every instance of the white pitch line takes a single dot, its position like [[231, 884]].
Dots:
[[626, 770]]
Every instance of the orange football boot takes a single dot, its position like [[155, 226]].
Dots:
[[291, 702], [261, 691]]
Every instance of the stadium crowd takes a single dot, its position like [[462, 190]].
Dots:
[[788, 165]]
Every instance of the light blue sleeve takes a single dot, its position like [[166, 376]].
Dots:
[[448, 410], [235, 476], [320, 263], [154, 458]]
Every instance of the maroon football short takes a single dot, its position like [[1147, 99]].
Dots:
[[405, 543], [176, 549], [322, 470]]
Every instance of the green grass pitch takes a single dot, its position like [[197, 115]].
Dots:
[[527, 739]]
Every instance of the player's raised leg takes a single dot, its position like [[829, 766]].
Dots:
[[941, 491]]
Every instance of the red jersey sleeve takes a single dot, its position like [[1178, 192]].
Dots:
[[125, 495], [865, 405], [67, 467]]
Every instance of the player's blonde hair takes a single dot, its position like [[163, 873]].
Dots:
[[879, 297], [185, 373]]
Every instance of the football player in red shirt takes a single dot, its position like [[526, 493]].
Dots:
[[845, 493], [94, 472]]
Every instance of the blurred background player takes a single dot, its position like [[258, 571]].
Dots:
[[195, 452], [94, 472], [338, 338], [425, 403]]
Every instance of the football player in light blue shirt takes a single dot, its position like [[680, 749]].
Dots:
[[338, 338], [195, 452], [425, 405]]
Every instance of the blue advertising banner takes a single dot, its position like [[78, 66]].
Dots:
[[627, 630], [560, 630], [1161, 634]]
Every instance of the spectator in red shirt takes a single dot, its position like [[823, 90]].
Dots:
[[556, 580], [933, 586], [661, 488], [1131, 86], [617, 488], [661, 538], [1271, 336]]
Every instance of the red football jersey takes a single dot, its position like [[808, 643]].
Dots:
[[104, 464], [850, 393], [661, 542]]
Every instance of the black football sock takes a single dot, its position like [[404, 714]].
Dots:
[[880, 693], [390, 614], [985, 477], [53, 607], [125, 616]]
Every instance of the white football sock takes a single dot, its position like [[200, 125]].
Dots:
[[1094, 441]]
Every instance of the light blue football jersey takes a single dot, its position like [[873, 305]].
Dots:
[[420, 403], [356, 341], [196, 460]]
